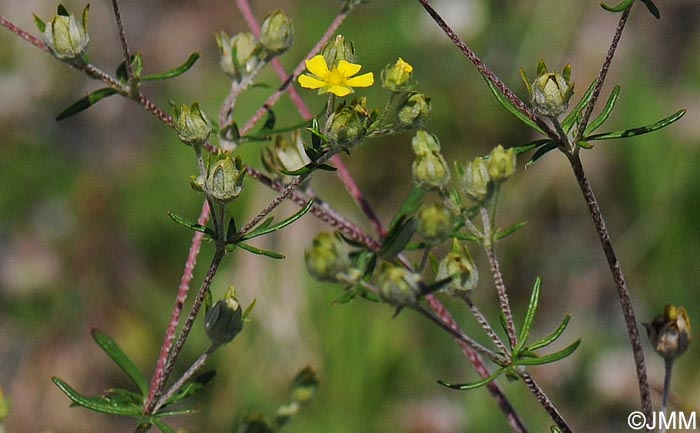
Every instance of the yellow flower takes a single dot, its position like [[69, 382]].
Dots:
[[338, 80]]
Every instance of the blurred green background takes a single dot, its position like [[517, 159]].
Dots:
[[85, 240]]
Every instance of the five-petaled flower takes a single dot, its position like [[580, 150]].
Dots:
[[338, 81]]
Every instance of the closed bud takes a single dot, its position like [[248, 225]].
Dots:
[[430, 170], [397, 76], [225, 179], [66, 39], [501, 163], [238, 53], [286, 154], [347, 126], [305, 386], [414, 111], [276, 33], [225, 319], [550, 92], [398, 285], [458, 265], [338, 49], [669, 332], [476, 180], [434, 222], [191, 124], [328, 258]]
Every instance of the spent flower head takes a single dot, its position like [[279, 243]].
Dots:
[[669, 332], [501, 163], [414, 110], [476, 179], [338, 49], [225, 179], [276, 33], [66, 39], [458, 265], [328, 258], [348, 125], [225, 319], [338, 81], [239, 54], [434, 222], [191, 124], [430, 170], [550, 92], [398, 285]]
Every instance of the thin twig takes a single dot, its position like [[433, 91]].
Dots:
[[37, 42], [623, 292], [122, 40], [486, 326], [545, 402], [668, 368]]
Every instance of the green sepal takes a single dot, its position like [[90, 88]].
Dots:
[[652, 8], [260, 251], [231, 231], [466, 237], [410, 205], [473, 385], [640, 130], [84, 103], [541, 152], [269, 124], [192, 387], [268, 228], [504, 326], [434, 287], [163, 426], [529, 315], [192, 225], [541, 67], [136, 67], [530, 146], [500, 234], [570, 118], [584, 145], [508, 105], [552, 357], [61, 10], [41, 25], [174, 72], [551, 338], [97, 404], [110, 347], [603, 116], [398, 237]]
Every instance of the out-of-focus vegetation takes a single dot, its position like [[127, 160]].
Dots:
[[85, 239]]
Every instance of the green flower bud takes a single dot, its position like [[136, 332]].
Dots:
[[434, 222], [338, 49], [430, 171], [225, 319], [501, 163], [238, 54], [66, 39], [191, 124], [398, 285], [669, 332], [286, 154], [458, 265], [550, 92], [276, 33], [328, 258], [476, 180], [347, 126], [225, 179], [396, 77], [414, 110]]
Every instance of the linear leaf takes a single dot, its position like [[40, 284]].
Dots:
[[603, 116], [512, 108], [529, 315], [473, 385], [84, 103], [128, 366], [174, 72], [263, 230], [162, 426], [552, 357], [551, 338], [409, 205], [192, 387], [260, 251], [570, 118], [191, 225], [542, 151], [640, 130], [97, 404], [500, 234], [531, 145], [624, 4]]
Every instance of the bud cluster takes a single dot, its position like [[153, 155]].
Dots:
[[481, 174], [430, 171], [348, 124], [328, 259]]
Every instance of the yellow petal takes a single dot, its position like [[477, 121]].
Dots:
[[348, 69], [364, 80], [340, 90], [310, 82], [317, 66]]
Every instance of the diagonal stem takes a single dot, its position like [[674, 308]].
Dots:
[[545, 402], [122, 40]]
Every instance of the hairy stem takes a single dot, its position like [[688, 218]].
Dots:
[[486, 326], [668, 368], [122, 40], [623, 292], [545, 402]]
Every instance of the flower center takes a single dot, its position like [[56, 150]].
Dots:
[[335, 77]]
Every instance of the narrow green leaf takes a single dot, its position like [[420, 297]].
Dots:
[[473, 385], [542, 151], [638, 131], [96, 404], [177, 412], [603, 116], [570, 118], [551, 338], [504, 326], [500, 234], [284, 129], [512, 108], [624, 4], [552, 357], [530, 146], [279, 226], [466, 237], [652, 8], [270, 121], [192, 225], [174, 72], [125, 397], [61, 10], [584, 145], [409, 205], [162, 426], [529, 315], [398, 237], [39, 24], [84, 103], [192, 387], [128, 366], [260, 251], [299, 171]]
